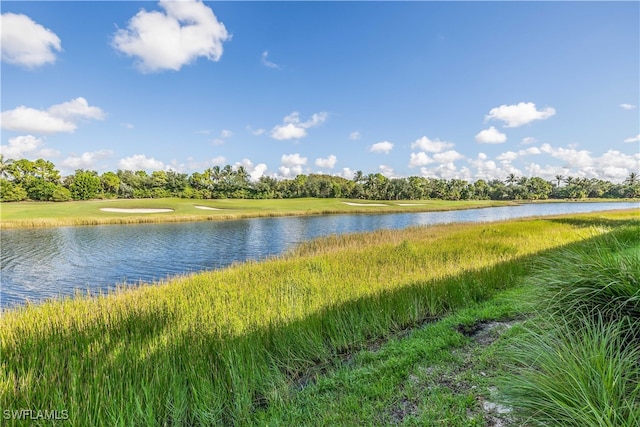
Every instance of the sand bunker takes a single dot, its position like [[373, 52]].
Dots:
[[364, 204], [209, 208], [122, 210]]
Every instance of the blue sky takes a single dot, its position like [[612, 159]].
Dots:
[[464, 90]]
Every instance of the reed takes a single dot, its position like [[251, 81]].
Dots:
[[210, 348], [579, 363]]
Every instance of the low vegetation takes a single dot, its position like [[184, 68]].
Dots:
[[579, 363], [232, 346]]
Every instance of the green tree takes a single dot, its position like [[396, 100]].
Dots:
[[61, 194], [86, 185], [46, 170], [110, 183], [538, 188], [38, 188], [11, 192], [481, 189]]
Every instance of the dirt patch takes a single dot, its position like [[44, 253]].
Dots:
[[485, 333]]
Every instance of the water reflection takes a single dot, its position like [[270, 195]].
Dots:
[[43, 263]]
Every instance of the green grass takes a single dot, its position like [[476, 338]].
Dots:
[[231, 346], [429, 375], [579, 363], [50, 214]]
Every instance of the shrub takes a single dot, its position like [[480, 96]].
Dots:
[[10, 192], [577, 378], [61, 194]]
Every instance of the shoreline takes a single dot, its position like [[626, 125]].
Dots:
[[145, 211], [51, 214]]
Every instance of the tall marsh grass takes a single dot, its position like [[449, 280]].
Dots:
[[209, 348], [580, 364], [576, 377]]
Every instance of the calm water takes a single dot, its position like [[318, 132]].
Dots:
[[36, 264]]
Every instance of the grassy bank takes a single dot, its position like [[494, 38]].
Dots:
[[223, 347], [51, 214], [578, 364]]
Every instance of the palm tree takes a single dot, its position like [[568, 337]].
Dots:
[[632, 179], [358, 177], [5, 167], [559, 179], [511, 178]]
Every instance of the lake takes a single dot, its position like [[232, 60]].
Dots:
[[41, 263]]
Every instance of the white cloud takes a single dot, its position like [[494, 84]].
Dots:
[[256, 132], [387, 171], [633, 139], [381, 147], [294, 128], [287, 172], [612, 165], [127, 125], [491, 136], [419, 159], [486, 169], [355, 136], [255, 171], [140, 162], [58, 118], [85, 160], [628, 106], [226, 133], [510, 156], [327, 163], [425, 144], [528, 140], [293, 160], [26, 146], [347, 173], [26, 119], [446, 171], [448, 156], [200, 165], [519, 114], [218, 161], [530, 150], [185, 31], [573, 158], [78, 107], [614, 158], [268, 63], [291, 165], [27, 43], [288, 131]]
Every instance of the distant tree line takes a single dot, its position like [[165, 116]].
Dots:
[[39, 180]]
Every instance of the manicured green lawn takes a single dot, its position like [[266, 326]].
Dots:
[[35, 214]]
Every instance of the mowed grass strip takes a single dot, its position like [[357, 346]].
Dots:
[[214, 347], [51, 214]]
